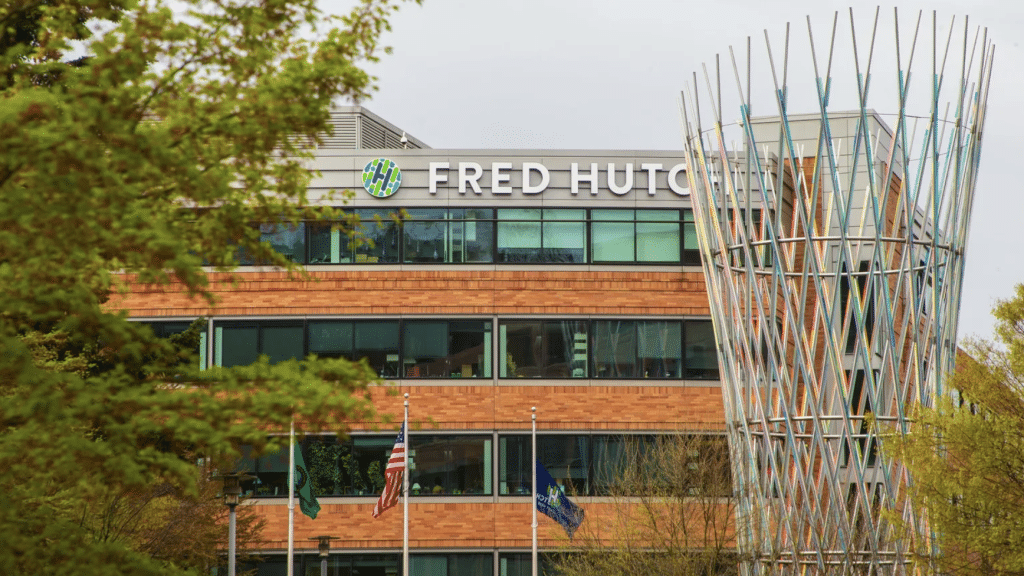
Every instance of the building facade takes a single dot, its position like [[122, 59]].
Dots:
[[578, 282], [569, 281]]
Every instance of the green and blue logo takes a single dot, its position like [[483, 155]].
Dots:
[[381, 177]]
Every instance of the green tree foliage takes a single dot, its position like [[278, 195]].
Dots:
[[966, 457], [671, 511], [141, 139]]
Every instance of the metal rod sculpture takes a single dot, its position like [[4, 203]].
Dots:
[[833, 250]]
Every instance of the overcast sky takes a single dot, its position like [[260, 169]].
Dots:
[[608, 74]]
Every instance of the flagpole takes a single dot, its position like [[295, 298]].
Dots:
[[291, 498], [405, 490], [533, 480]]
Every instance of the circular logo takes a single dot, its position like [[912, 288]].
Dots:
[[381, 177]]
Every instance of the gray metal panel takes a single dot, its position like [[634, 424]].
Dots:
[[343, 169]]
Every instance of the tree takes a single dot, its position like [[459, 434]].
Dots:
[[671, 512], [966, 458], [141, 140]]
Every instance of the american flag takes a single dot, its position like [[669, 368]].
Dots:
[[392, 476]]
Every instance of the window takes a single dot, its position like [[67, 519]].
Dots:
[[543, 349], [174, 328], [867, 299], [541, 235], [337, 565], [590, 464], [635, 235], [565, 456], [451, 564], [439, 235], [860, 404], [691, 249], [637, 349], [482, 235], [439, 465], [352, 467], [446, 465], [379, 241], [242, 343], [462, 348], [520, 563], [701, 360], [289, 240], [443, 349]]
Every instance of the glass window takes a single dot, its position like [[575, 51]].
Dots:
[[657, 236], [594, 464], [566, 457], [337, 565], [270, 470], [543, 349], [613, 457], [701, 354], [660, 349], [520, 563], [289, 240], [614, 349], [330, 338], [443, 349], [612, 235], [174, 328], [637, 349], [236, 345], [519, 235], [242, 343], [426, 236], [327, 245], [534, 235], [451, 564], [472, 235], [377, 341], [691, 250], [352, 467], [381, 234], [443, 465], [564, 236], [281, 343]]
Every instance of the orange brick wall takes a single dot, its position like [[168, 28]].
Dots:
[[481, 405], [388, 292], [568, 407]]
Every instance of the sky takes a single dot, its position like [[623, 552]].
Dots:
[[604, 74]]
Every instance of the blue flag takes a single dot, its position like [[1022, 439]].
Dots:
[[555, 504]]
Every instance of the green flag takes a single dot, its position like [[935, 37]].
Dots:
[[303, 486]]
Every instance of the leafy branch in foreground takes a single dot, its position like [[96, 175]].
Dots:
[[670, 510], [142, 140], [966, 457]]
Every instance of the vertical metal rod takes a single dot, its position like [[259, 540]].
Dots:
[[533, 501], [405, 490], [291, 498], [231, 540]]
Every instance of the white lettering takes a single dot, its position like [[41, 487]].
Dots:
[[651, 169], [471, 179], [436, 177], [627, 186], [575, 178], [673, 175], [498, 178], [545, 177]]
